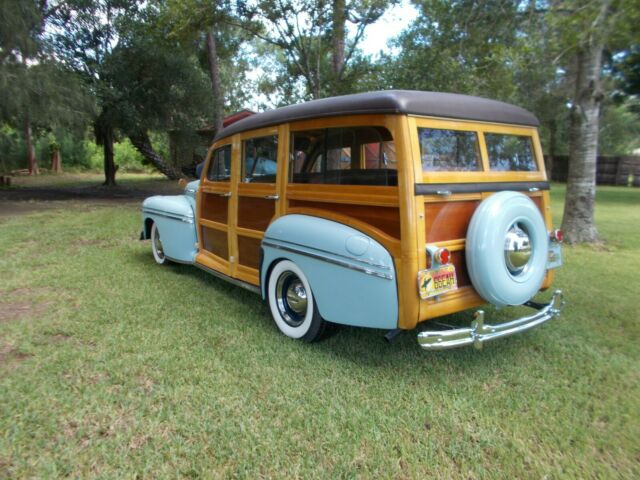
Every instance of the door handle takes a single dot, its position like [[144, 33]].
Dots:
[[272, 197], [223, 194]]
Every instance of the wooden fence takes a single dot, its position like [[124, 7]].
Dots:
[[623, 170]]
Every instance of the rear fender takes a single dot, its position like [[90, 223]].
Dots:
[[351, 275]]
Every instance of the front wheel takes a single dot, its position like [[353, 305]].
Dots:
[[292, 304], [156, 245]]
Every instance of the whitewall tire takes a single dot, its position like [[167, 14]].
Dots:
[[507, 249], [292, 304], [156, 245]]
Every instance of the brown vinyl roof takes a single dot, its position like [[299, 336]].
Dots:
[[432, 104]]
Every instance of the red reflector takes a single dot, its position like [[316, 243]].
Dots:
[[557, 235], [443, 256]]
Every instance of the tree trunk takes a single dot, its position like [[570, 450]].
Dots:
[[216, 87], [578, 221], [109, 164], [553, 148], [338, 41], [56, 161], [32, 162], [143, 145]]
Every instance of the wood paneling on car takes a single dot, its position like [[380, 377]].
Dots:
[[215, 241], [255, 213], [386, 219], [214, 207], [249, 251]]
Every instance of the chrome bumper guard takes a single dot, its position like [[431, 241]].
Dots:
[[479, 332]]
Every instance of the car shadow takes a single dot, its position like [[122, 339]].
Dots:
[[365, 347]]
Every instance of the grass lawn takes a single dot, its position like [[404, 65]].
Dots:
[[113, 366]]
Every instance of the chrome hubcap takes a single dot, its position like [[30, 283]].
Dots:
[[291, 298], [517, 249]]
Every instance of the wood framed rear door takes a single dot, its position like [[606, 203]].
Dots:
[[257, 200]]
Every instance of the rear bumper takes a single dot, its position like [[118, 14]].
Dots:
[[479, 332]]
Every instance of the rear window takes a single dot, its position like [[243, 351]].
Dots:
[[510, 152], [343, 156], [449, 150]]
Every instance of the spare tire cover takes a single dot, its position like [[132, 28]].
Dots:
[[487, 237]]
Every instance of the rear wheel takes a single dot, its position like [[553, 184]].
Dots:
[[156, 245], [292, 304]]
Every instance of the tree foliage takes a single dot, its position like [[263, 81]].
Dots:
[[309, 43]]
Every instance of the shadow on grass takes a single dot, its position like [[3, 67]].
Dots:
[[364, 347]]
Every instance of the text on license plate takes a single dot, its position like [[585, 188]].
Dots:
[[437, 281]]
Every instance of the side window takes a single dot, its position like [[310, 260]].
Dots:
[[449, 150], [343, 156], [260, 159], [510, 152], [220, 166]]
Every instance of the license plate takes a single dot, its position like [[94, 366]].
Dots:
[[437, 281], [555, 255]]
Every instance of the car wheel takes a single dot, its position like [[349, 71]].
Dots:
[[507, 248], [156, 245], [292, 303]]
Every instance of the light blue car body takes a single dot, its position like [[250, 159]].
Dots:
[[352, 276], [175, 219]]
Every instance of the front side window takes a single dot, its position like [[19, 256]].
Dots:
[[220, 166], [449, 150], [260, 159], [512, 153], [343, 156]]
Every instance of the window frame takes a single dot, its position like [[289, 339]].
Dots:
[[485, 174], [505, 135], [212, 158], [243, 141], [478, 151], [349, 124]]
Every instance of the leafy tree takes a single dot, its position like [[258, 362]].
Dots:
[[141, 79], [36, 91], [83, 34], [214, 25], [585, 30], [314, 48], [155, 85], [460, 46]]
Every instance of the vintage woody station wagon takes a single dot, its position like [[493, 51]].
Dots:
[[382, 210]]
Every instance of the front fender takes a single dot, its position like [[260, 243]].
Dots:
[[352, 276], [175, 220]]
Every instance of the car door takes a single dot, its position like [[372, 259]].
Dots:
[[257, 201], [214, 206]]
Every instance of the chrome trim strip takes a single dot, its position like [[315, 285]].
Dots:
[[340, 263], [227, 278], [478, 187], [479, 332], [366, 262], [173, 216]]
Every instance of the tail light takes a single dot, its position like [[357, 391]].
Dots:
[[556, 235], [442, 256]]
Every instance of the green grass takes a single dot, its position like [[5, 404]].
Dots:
[[111, 366], [84, 179]]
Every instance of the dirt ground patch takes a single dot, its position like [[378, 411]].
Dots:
[[18, 310], [9, 354], [22, 303], [31, 195]]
